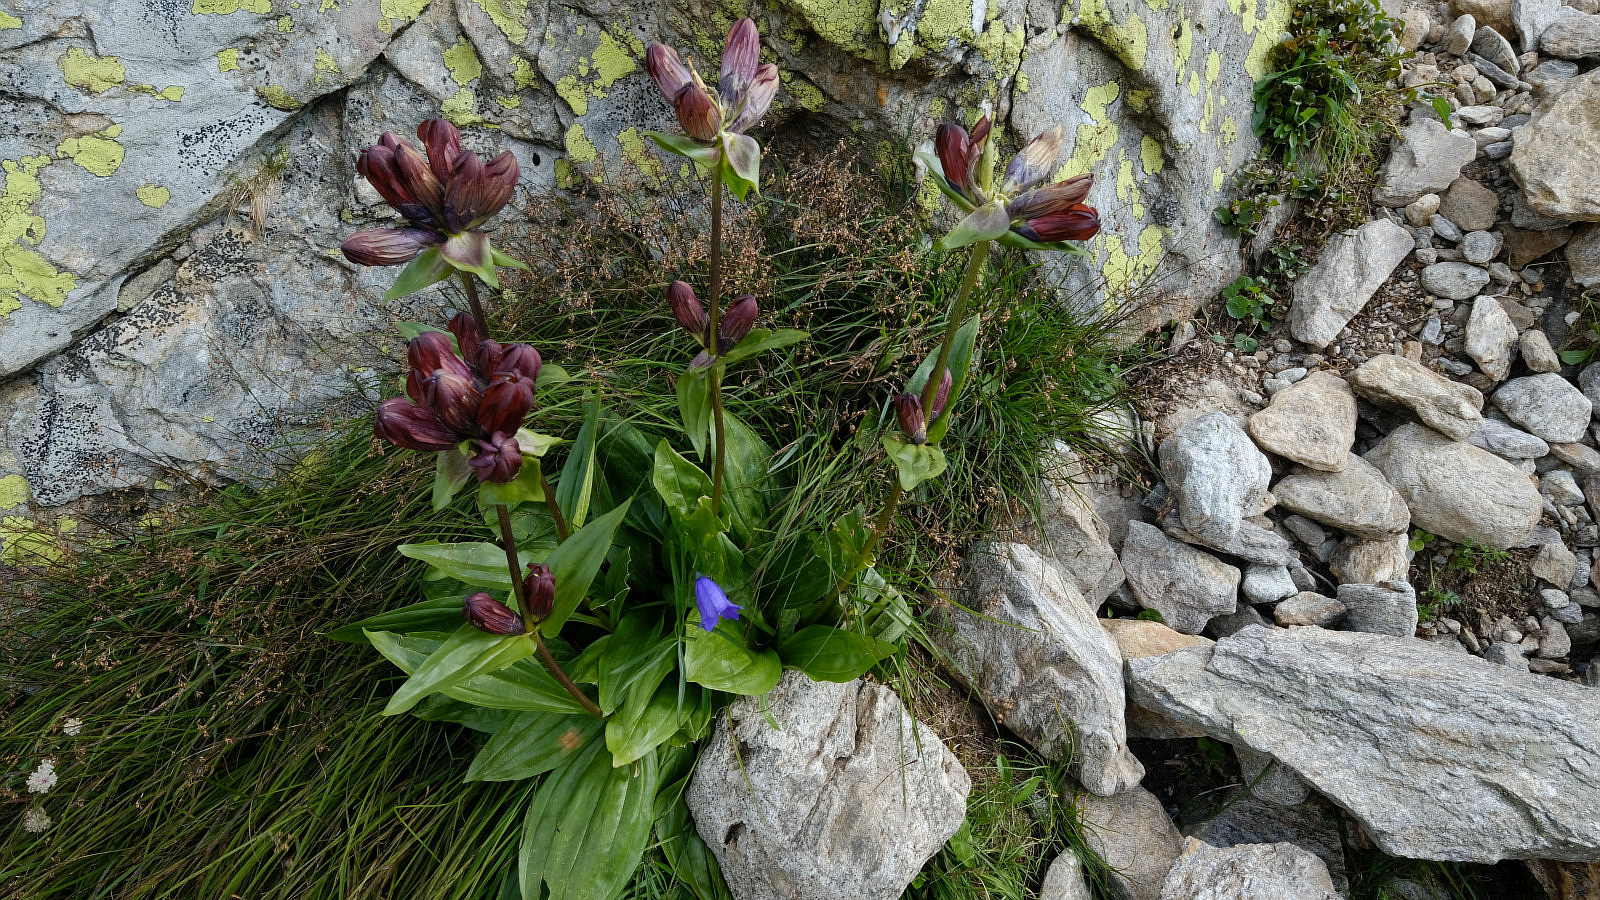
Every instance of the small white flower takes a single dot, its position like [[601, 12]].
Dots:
[[72, 727], [35, 821], [43, 778]]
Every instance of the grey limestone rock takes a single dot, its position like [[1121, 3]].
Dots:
[[1216, 474], [1247, 872], [1438, 754], [1371, 560], [1187, 586], [1064, 879], [1132, 833], [1075, 537], [1456, 280], [1356, 500], [1426, 159], [1312, 825], [1492, 45], [1350, 268], [1583, 256], [847, 796], [1547, 405], [1491, 337], [1311, 422], [1537, 354], [1557, 154], [1501, 439], [1386, 608], [1456, 490], [1307, 608], [1392, 381], [1571, 35], [1267, 584]]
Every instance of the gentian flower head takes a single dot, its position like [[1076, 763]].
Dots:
[[490, 615], [714, 119], [539, 586], [912, 419], [444, 197], [1017, 212], [479, 400], [713, 603], [734, 325]]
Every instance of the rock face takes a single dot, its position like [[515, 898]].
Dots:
[[1311, 422], [1217, 475], [1357, 500], [149, 115], [1456, 490], [1572, 35], [847, 796], [1426, 159], [1040, 661], [1350, 269], [1438, 754], [1557, 154], [1132, 833], [1247, 872], [1187, 586], [1446, 406]]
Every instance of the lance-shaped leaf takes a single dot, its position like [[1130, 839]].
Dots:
[[760, 339], [741, 168], [587, 827], [449, 475], [679, 482], [575, 562], [722, 661], [960, 366], [576, 487], [916, 462], [478, 563], [986, 223], [694, 405], [438, 614], [465, 654], [429, 268], [704, 155], [523, 685], [825, 653], [533, 743]]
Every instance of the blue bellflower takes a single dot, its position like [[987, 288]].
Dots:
[[714, 604]]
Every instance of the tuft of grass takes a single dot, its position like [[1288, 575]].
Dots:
[[230, 750]]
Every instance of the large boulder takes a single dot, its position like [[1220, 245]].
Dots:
[[1247, 872], [1425, 160], [1392, 381], [1357, 500], [822, 790], [1438, 754], [1074, 535], [1456, 490], [1034, 652], [1556, 158]]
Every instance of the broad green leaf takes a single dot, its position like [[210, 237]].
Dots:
[[427, 269], [691, 860], [636, 653], [410, 330], [700, 535], [524, 685], [916, 462], [550, 375], [741, 164], [449, 474], [438, 614], [799, 574], [704, 155], [477, 563], [440, 708], [722, 661], [533, 743], [466, 653], [959, 364], [746, 479], [679, 482], [587, 827], [832, 654], [576, 487], [527, 487], [760, 339], [884, 612], [648, 719], [694, 405], [985, 223], [500, 259], [575, 562]]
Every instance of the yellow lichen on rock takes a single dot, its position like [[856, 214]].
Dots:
[[95, 74], [462, 108], [579, 148], [7, 21], [1127, 40], [507, 16], [1150, 155], [23, 272], [98, 153], [228, 60], [463, 63], [278, 98], [153, 195], [324, 64], [1094, 141], [1122, 270], [13, 491], [229, 7], [398, 12]]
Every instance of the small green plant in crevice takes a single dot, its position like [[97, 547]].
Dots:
[[1469, 556], [1248, 302], [1435, 601], [1585, 333]]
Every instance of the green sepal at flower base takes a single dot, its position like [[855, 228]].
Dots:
[[704, 155], [916, 462], [528, 486], [960, 367], [469, 251], [741, 164], [986, 223]]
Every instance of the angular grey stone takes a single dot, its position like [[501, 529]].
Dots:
[[1491, 338], [1251, 543], [1459, 35], [1313, 826], [1271, 782], [1532, 17], [1444, 228], [1560, 486], [1311, 422], [1438, 754], [1075, 537], [1426, 159], [1036, 655], [1524, 245], [1547, 405], [1064, 879], [1470, 205], [1187, 586], [1267, 584], [1501, 439], [1537, 354], [1583, 458], [1557, 157], [1392, 381], [1479, 247], [1456, 490], [1554, 642], [1132, 833], [1387, 608], [847, 796], [1371, 561], [1247, 872], [1555, 564], [1502, 653], [1456, 280], [1350, 268], [1307, 608], [1216, 474], [1493, 46], [1235, 622], [1583, 256], [1357, 500], [1305, 530], [1572, 35]]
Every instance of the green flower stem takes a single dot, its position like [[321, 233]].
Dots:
[[716, 316], [508, 539], [470, 285], [562, 531]]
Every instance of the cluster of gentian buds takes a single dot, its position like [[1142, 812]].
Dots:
[[487, 614], [736, 321], [743, 92], [481, 399], [1048, 214], [443, 197], [913, 420]]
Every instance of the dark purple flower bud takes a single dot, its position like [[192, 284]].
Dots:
[[406, 425], [757, 97], [736, 323], [908, 409], [505, 404], [667, 69], [490, 615], [540, 588], [1052, 199], [387, 246], [980, 133], [468, 335], [376, 165], [713, 603], [942, 395], [411, 167], [1077, 224], [443, 142], [1034, 162], [518, 359], [454, 399], [486, 359], [688, 311], [431, 352], [739, 60], [955, 156], [498, 459], [699, 115]]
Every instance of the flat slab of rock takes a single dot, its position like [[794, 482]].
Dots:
[[1556, 158], [1549, 406], [1571, 35], [1439, 754], [1386, 608], [1394, 382], [1132, 833], [1456, 280], [1512, 443], [1187, 586], [1137, 638], [1425, 160], [1247, 872], [1308, 608], [1039, 659], [1216, 474], [1491, 338], [1311, 422], [1350, 269], [1357, 500], [848, 796], [1456, 490]]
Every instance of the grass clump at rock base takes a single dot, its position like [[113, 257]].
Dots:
[[223, 746]]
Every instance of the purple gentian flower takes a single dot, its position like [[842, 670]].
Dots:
[[714, 604]]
